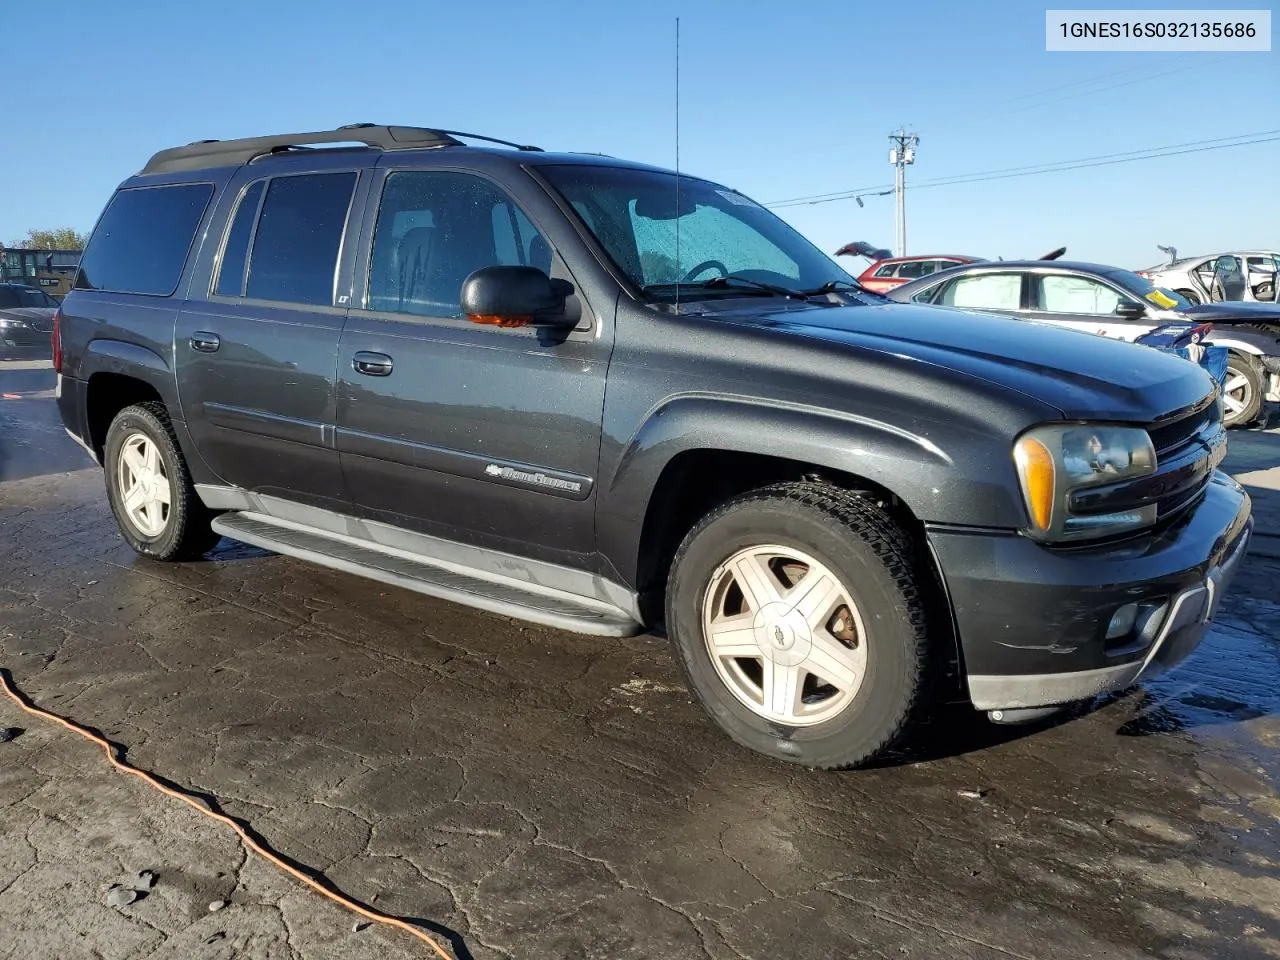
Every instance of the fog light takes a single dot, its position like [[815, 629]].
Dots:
[[1150, 620], [1122, 621]]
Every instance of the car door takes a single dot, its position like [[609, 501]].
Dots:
[[1260, 274], [256, 355], [1228, 279], [1087, 303], [475, 433]]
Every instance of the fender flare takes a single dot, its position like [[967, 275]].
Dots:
[[911, 466], [131, 360]]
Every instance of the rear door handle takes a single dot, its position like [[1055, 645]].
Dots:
[[205, 342], [371, 364]]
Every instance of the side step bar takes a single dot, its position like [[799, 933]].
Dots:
[[553, 608]]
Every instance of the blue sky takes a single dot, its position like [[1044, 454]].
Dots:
[[778, 100]]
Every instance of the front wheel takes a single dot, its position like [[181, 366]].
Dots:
[[151, 493], [1242, 391], [797, 614]]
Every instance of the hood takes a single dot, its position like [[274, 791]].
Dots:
[[1083, 375], [41, 318], [1234, 311]]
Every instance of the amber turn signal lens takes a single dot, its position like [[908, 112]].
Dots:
[[1035, 464], [495, 321]]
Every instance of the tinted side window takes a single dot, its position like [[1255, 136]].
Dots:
[[235, 254], [295, 250], [142, 241], [436, 229]]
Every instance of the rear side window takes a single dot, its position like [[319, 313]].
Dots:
[[143, 239], [295, 248], [235, 254]]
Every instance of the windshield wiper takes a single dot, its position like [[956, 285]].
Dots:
[[831, 286], [752, 289], [716, 283]]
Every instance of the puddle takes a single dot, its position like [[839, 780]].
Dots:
[[1228, 690]]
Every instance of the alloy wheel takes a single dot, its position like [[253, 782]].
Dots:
[[784, 635], [145, 492], [1237, 395]]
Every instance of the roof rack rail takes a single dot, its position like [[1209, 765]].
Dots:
[[506, 143], [218, 153]]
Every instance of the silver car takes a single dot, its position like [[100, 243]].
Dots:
[[1242, 275], [26, 317]]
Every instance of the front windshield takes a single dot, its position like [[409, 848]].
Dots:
[[665, 248], [1161, 297]]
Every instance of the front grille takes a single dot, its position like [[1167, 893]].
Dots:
[[1189, 446], [1172, 434]]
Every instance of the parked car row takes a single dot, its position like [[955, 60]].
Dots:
[[1115, 303]]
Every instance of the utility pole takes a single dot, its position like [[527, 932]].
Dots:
[[902, 151]]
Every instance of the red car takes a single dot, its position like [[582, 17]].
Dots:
[[884, 275]]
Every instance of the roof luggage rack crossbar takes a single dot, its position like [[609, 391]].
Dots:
[[220, 153]]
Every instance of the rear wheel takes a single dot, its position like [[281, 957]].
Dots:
[[1242, 391], [150, 489], [1189, 295], [797, 615]]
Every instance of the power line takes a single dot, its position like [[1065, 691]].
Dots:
[[1106, 159]]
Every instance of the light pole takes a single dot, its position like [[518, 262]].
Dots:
[[902, 151]]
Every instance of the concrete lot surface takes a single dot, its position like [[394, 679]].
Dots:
[[533, 794]]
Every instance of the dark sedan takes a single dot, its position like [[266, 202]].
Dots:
[[26, 317], [1116, 303]]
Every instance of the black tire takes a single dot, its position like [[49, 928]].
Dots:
[[878, 564], [1189, 295], [1250, 393], [186, 533]]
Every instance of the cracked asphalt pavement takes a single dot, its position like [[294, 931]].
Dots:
[[527, 793]]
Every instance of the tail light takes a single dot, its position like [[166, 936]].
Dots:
[[1144, 274], [56, 338]]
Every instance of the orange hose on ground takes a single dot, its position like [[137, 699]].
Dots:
[[196, 803]]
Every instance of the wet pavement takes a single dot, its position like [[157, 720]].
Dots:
[[529, 793]]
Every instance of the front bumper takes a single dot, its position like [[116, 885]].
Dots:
[[1032, 621]]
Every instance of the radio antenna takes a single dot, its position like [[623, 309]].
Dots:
[[679, 275]]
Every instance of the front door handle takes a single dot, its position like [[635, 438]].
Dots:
[[205, 342], [371, 364]]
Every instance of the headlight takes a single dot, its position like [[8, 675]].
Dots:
[[1055, 461], [7, 324]]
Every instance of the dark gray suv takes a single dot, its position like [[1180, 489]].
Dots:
[[609, 398]]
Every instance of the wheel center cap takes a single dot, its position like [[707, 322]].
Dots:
[[781, 635]]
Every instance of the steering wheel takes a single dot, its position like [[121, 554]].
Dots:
[[705, 265]]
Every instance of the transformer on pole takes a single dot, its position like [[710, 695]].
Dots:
[[902, 151]]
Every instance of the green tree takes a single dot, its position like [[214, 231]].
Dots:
[[61, 238]]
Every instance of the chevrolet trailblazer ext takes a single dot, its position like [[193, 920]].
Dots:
[[605, 397]]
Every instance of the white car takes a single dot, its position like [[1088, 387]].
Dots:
[[1243, 275]]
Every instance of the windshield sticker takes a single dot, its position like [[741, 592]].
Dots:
[[736, 198], [1161, 300]]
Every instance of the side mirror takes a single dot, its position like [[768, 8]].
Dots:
[[515, 297], [1128, 310]]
